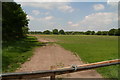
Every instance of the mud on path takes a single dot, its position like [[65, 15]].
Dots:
[[53, 56]]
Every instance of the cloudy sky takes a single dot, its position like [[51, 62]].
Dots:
[[71, 16]]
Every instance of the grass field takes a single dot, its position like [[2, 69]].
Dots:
[[92, 49], [17, 52]]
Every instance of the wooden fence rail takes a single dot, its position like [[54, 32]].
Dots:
[[52, 73]]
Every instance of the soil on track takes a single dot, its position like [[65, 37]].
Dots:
[[53, 56]]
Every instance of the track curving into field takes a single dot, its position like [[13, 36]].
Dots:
[[53, 56]]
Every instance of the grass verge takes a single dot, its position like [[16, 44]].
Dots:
[[16, 53]]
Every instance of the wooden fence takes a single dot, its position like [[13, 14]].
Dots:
[[53, 73]]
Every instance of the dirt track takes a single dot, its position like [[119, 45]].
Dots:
[[53, 56]]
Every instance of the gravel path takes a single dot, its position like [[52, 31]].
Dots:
[[53, 56]]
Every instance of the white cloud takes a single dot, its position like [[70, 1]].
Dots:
[[45, 22], [66, 8], [70, 23], [113, 0], [36, 12], [47, 13], [42, 0], [48, 17], [30, 17], [75, 25], [96, 21], [65, 0], [113, 3], [98, 7], [38, 5], [100, 20]]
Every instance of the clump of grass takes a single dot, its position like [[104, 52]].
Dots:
[[16, 53]]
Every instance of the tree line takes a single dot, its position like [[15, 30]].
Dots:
[[14, 22], [115, 32], [15, 25]]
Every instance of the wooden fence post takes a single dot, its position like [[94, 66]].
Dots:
[[52, 77]]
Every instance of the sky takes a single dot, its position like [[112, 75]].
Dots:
[[71, 16]]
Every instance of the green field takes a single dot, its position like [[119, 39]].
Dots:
[[15, 53], [92, 49]]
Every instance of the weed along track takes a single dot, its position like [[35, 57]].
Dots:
[[53, 56]]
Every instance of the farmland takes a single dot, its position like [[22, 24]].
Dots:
[[91, 49], [56, 35]]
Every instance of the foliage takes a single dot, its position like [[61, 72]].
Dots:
[[111, 32], [25, 30], [92, 32], [61, 32], [114, 32], [76, 33], [69, 32], [99, 33], [47, 32], [88, 32], [14, 21], [35, 32], [104, 32], [55, 31]]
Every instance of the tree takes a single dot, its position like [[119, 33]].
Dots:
[[88, 32], [112, 32], [14, 21], [61, 32], [93, 32], [25, 30], [118, 31], [47, 32], [68, 32], [104, 32], [55, 31], [99, 33]]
